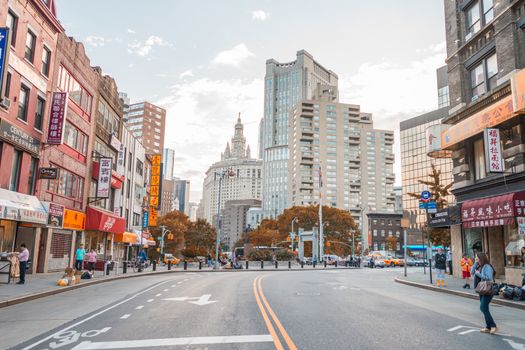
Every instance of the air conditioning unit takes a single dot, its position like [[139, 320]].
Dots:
[[5, 102]]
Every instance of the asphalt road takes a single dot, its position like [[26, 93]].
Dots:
[[327, 309]]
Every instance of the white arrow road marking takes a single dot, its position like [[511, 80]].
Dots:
[[123, 317], [468, 331], [202, 300], [455, 328], [139, 307], [149, 300], [158, 295], [149, 343], [514, 345]]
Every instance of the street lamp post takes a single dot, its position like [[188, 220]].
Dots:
[[293, 234], [164, 232]]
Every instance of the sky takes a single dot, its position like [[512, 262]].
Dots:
[[204, 60]]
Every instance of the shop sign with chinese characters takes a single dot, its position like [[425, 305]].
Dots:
[[493, 157], [521, 226], [154, 199], [57, 120], [104, 177]]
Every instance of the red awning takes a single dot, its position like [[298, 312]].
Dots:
[[101, 220], [493, 211]]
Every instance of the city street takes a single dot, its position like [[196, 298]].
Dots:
[[333, 309]]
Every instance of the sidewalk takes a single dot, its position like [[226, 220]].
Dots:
[[452, 286]]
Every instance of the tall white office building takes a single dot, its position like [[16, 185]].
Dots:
[[168, 163], [285, 85]]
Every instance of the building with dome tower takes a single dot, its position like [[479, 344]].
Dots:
[[237, 173]]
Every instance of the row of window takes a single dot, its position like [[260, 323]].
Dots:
[[16, 171], [77, 93]]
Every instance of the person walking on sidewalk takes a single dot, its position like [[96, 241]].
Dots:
[[441, 266], [79, 257], [485, 272], [466, 265], [23, 257], [92, 259]]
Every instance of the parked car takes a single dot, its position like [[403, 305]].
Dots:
[[416, 262], [379, 263]]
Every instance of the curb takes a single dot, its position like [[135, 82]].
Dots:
[[60, 290], [498, 301]]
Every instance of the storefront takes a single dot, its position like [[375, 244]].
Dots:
[[101, 227], [21, 219], [491, 225]]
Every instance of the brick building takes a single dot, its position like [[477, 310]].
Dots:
[[33, 29], [381, 226], [486, 57]]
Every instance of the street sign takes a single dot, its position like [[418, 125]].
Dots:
[[425, 196], [431, 205], [422, 205]]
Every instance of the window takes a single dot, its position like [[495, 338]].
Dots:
[[139, 168], [15, 170], [46, 61], [31, 180], [67, 184], [75, 139], [30, 46], [478, 15], [23, 102], [484, 76], [128, 187], [7, 84], [129, 161], [479, 160], [77, 93], [136, 219], [12, 24], [39, 112]]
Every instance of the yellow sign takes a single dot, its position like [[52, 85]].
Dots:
[[154, 199], [486, 118], [74, 220], [518, 90], [153, 217]]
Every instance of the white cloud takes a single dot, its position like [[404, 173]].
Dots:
[[143, 49], [234, 57], [131, 65], [186, 74], [201, 115], [96, 41], [131, 31], [260, 15], [395, 92]]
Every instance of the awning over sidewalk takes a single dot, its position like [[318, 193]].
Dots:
[[126, 237], [101, 220], [493, 211], [21, 207]]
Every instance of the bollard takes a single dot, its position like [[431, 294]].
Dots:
[[125, 267], [302, 264], [276, 264], [154, 264], [325, 263], [314, 263], [262, 264], [107, 268], [185, 265], [200, 265], [336, 263], [246, 264], [169, 264], [289, 264]]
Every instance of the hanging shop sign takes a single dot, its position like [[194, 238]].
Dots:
[[19, 137], [4, 52], [494, 161], [55, 213], [47, 173], [154, 199], [153, 214], [521, 225], [74, 220], [57, 120], [114, 142], [446, 217], [433, 140], [145, 219], [104, 177], [493, 211]]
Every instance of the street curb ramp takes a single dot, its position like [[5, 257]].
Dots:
[[498, 301]]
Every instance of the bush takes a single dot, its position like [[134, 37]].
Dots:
[[284, 255], [260, 255]]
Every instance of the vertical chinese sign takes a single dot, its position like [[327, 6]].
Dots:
[[104, 177], [4, 52], [493, 158], [55, 131], [154, 199]]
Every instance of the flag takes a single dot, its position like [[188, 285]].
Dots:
[[320, 182]]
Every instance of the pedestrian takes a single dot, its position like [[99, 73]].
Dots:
[[23, 257], [449, 261], [440, 265], [92, 259], [466, 265], [485, 272], [372, 262], [523, 256], [79, 257]]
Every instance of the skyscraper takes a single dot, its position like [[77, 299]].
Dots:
[[181, 196], [168, 163], [147, 123], [356, 160], [285, 85]]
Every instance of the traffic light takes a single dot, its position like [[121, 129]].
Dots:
[[328, 244], [170, 236], [158, 250]]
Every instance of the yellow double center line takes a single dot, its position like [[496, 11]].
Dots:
[[265, 310]]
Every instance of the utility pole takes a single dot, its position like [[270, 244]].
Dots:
[[164, 231], [321, 228], [292, 234]]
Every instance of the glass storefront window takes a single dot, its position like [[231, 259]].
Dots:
[[513, 244], [473, 241]]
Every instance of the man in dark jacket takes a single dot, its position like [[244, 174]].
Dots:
[[441, 265]]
